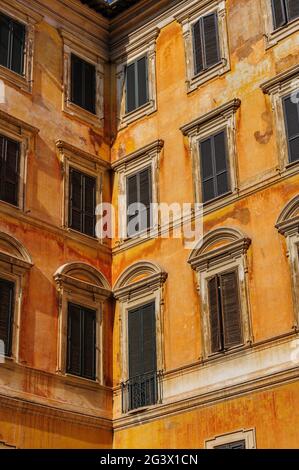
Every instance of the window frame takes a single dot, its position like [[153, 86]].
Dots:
[[274, 36], [89, 52], [208, 261], [247, 435], [29, 18], [188, 18], [82, 61], [135, 62], [206, 126]]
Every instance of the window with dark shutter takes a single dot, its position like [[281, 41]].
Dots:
[[6, 314], [136, 84], [83, 84], [284, 11], [214, 169], [142, 356], [139, 190], [9, 170], [232, 445], [206, 43], [225, 313], [291, 111], [82, 203], [12, 44], [81, 344]]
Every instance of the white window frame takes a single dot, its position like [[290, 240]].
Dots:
[[208, 262], [274, 36], [15, 264], [247, 435], [187, 19], [130, 294], [92, 165], [25, 134], [131, 164], [92, 294], [29, 18], [278, 88], [89, 52], [122, 55], [222, 118]]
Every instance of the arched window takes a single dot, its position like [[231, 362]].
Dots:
[[83, 293], [15, 263], [288, 225], [139, 291], [221, 266]]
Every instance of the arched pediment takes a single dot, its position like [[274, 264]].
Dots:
[[12, 250], [78, 274], [289, 217], [139, 276], [217, 243]]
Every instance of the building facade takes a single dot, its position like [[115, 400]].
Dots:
[[139, 339]]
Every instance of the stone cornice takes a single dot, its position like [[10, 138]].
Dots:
[[155, 147], [270, 85], [68, 149], [150, 283], [63, 280], [18, 123], [223, 110]]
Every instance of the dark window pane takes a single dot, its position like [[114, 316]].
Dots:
[[17, 48], [232, 445], [222, 184], [220, 152], [292, 117], [89, 340], [6, 314], [206, 159], [9, 175], [294, 149], [4, 39], [208, 190], [292, 9], [131, 88], [82, 202], [211, 40], [77, 80], [197, 48], [90, 88], [279, 13], [74, 340], [214, 310], [142, 81]]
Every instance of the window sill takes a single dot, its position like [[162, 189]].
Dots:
[[128, 243], [227, 353], [138, 113], [79, 236], [16, 80], [282, 33], [215, 71], [82, 382], [86, 117]]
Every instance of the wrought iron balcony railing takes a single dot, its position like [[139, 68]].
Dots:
[[141, 390]]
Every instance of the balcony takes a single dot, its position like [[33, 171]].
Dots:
[[141, 391]]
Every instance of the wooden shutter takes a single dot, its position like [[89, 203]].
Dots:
[[207, 170], [89, 87], [232, 445], [17, 47], [292, 124], [74, 340], [231, 314], [279, 13], [132, 198], [211, 43], [292, 9], [142, 81], [4, 40], [9, 170], [135, 339], [149, 338], [77, 80], [89, 205], [145, 196], [76, 200], [197, 48], [89, 343], [6, 314], [220, 156], [131, 87], [214, 312]]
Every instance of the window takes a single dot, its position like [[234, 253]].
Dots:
[[284, 11], [139, 189], [9, 170], [221, 266], [83, 84], [212, 143], [283, 91], [136, 82], [244, 439], [81, 352], [287, 225], [6, 314], [138, 176], [142, 356], [140, 292], [224, 309], [83, 299], [136, 76], [12, 43], [82, 202], [83, 91], [291, 111], [214, 169], [206, 41]]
